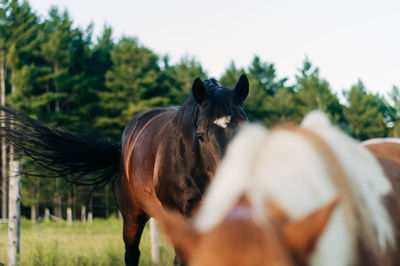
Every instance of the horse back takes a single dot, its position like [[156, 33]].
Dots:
[[149, 120], [140, 141], [388, 150], [388, 156]]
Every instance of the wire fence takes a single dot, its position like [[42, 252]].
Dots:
[[58, 198], [66, 203]]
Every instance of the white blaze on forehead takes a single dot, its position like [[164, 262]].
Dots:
[[223, 121]]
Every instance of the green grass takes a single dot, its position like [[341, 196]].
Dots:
[[58, 244]]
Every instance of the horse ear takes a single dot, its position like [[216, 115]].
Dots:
[[242, 88], [303, 235], [199, 91], [182, 235]]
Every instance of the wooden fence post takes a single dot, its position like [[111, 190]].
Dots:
[[33, 213], [46, 214], [155, 247], [83, 213], [69, 216], [90, 214], [14, 211], [3, 139], [90, 218]]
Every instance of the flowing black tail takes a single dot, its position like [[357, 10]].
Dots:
[[79, 160]]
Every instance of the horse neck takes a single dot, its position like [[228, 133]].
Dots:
[[185, 123]]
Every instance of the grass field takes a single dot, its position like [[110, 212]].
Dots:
[[101, 243]]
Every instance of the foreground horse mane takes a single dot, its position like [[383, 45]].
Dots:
[[290, 166]]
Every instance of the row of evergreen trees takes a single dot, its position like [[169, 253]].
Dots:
[[57, 73]]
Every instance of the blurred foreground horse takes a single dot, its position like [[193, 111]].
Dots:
[[166, 158], [296, 195]]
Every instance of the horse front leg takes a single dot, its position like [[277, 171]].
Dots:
[[132, 232], [178, 261]]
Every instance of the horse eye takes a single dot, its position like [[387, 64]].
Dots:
[[200, 137]]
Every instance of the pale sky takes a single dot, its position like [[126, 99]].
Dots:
[[347, 39]]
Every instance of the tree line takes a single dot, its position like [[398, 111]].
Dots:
[[71, 79]]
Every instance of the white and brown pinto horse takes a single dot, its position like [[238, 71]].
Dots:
[[297, 195]]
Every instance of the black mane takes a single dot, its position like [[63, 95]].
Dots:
[[218, 103], [211, 84]]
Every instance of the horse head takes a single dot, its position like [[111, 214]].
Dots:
[[220, 113], [238, 240]]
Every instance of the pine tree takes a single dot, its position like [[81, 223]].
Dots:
[[89, 63], [132, 86], [19, 40], [265, 74], [366, 113], [37, 57], [264, 84], [283, 106], [395, 112], [101, 58], [180, 78], [82, 83], [231, 76], [315, 93], [56, 49], [23, 57]]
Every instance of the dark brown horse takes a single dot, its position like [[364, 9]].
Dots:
[[170, 154], [166, 159]]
